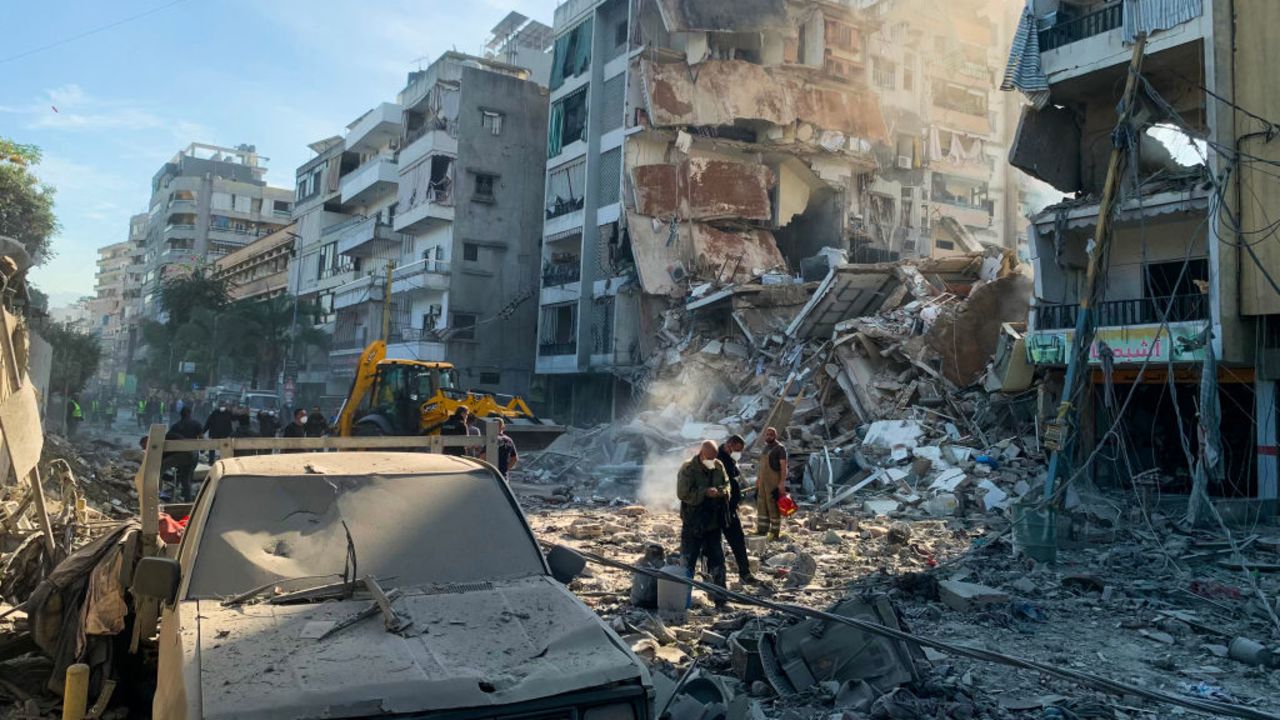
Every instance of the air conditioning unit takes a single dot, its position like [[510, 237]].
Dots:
[[904, 162]]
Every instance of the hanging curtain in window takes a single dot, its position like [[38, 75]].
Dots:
[[1148, 16], [583, 48], [555, 133]]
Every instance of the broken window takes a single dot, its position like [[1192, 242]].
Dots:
[[962, 192], [961, 99], [558, 329], [565, 186], [572, 54], [561, 268], [568, 121]]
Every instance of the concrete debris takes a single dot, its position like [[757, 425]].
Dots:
[[964, 596]]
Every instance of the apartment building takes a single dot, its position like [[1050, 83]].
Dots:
[[688, 146], [1186, 309], [428, 211], [259, 270], [944, 186], [107, 309], [207, 202]]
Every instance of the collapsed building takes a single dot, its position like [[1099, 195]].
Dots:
[[688, 144], [693, 147]]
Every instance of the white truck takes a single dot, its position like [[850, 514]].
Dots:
[[373, 585]]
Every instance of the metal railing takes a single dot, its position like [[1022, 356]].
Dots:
[[1095, 22], [418, 267], [557, 348], [1117, 313], [554, 274]]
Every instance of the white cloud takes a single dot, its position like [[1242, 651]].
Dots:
[[70, 108]]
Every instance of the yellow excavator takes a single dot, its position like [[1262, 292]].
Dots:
[[411, 397]]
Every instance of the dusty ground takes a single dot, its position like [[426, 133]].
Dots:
[[1122, 610]]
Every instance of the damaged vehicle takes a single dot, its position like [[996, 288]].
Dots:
[[363, 585]]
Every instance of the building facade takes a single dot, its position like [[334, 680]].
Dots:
[[427, 212], [688, 147], [107, 310], [259, 270], [207, 202], [1185, 309], [944, 185]]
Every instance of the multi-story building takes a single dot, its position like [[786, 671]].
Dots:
[[523, 43], [428, 210], [943, 186], [107, 309], [687, 146], [1186, 279], [259, 270], [207, 202]]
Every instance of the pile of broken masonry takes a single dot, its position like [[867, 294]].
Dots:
[[880, 378]]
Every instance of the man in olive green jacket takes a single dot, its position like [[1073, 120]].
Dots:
[[703, 489]]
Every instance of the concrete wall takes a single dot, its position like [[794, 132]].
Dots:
[[507, 229]]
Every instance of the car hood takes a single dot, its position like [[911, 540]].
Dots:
[[470, 646]]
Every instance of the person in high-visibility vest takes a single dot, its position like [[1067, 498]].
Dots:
[[140, 414], [75, 416]]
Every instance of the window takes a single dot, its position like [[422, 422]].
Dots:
[[492, 121], [572, 55], [490, 378], [908, 79], [944, 245], [568, 121], [557, 333], [470, 252], [884, 73], [565, 187], [485, 184], [464, 326]]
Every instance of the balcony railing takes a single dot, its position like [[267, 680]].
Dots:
[[560, 274], [1095, 22], [1118, 313], [557, 348], [419, 267], [412, 334]]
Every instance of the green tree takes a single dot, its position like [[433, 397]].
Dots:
[[26, 204], [76, 355]]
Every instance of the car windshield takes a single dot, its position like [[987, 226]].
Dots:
[[421, 529]]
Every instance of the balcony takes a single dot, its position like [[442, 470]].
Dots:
[[182, 206], [1117, 313], [375, 128], [370, 181], [435, 210], [179, 230], [552, 349], [415, 344], [562, 273], [424, 142], [358, 291], [1105, 18], [360, 237], [430, 275]]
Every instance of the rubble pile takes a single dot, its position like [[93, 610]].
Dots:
[[880, 378], [1158, 615]]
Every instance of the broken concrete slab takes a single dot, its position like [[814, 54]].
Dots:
[[964, 596], [890, 434]]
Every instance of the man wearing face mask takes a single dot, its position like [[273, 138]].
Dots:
[[729, 455], [297, 428], [703, 489], [771, 483]]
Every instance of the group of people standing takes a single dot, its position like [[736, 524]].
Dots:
[[710, 489]]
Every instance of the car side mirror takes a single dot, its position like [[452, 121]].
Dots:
[[157, 577], [565, 563]]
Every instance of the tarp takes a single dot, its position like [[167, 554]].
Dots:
[[1143, 17]]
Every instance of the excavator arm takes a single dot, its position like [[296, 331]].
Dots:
[[361, 384]]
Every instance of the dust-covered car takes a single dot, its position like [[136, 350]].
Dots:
[[372, 585]]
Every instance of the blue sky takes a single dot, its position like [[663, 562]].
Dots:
[[275, 73]]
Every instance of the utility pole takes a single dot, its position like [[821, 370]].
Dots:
[[386, 302], [1063, 427]]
